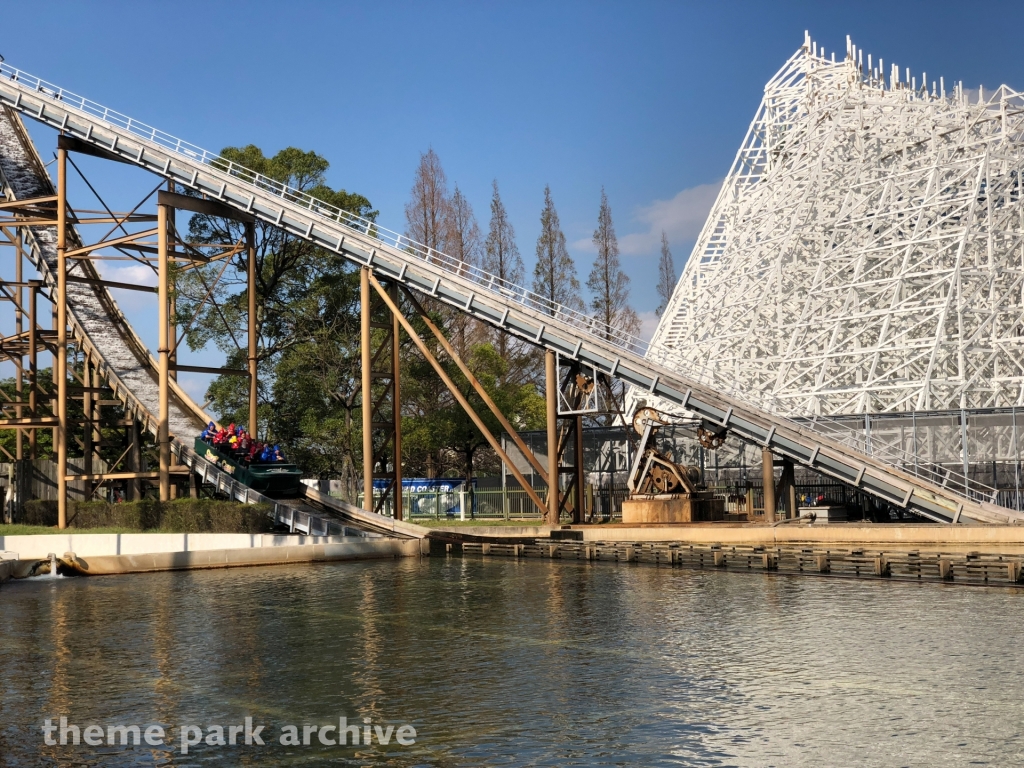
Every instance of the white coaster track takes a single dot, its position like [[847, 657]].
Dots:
[[499, 304], [865, 253]]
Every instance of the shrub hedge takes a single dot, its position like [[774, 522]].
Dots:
[[178, 516]]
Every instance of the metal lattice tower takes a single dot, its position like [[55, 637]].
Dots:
[[866, 251]]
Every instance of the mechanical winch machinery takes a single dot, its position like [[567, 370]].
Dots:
[[655, 477]]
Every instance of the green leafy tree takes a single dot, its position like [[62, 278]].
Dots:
[[216, 310], [307, 321]]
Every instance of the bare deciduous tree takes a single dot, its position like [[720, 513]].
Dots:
[[502, 259], [463, 240], [427, 212], [666, 276], [609, 288], [554, 276]]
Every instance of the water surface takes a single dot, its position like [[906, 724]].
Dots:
[[499, 662]]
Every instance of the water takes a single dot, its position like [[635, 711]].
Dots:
[[498, 662]]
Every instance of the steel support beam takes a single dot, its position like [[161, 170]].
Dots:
[[381, 397], [163, 350], [453, 388], [33, 369], [366, 369], [477, 386], [60, 369], [768, 478], [250, 269], [396, 405], [551, 402], [19, 446]]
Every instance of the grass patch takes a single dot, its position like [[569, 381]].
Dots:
[[178, 516], [33, 530]]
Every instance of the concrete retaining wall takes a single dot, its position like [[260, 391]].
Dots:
[[103, 554], [6, 568], [95, 544], [350, 549]]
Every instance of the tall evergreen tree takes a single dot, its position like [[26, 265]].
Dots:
[[666, 276], [608, 284], [554, 276]]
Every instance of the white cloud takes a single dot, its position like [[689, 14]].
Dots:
[[648, 323], [134, 274], [195, 386], [131, 302], [681, 218]]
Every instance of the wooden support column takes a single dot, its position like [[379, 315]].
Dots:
[[551, 381], [579, 509], [87, 413], [768, 478], [396, 404], [366, 360], [250, 248], [135, 459], [33, 368], [19, 327], [61, 353], [163, 430]]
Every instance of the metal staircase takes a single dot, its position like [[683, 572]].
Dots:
[[940, 496]]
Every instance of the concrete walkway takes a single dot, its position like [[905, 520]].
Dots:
[[984, 538]]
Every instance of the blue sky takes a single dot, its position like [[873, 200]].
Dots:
[[648, 99]]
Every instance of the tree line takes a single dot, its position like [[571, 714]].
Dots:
[[308, 322]]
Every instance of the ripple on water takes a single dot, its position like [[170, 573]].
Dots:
[[519, 663]]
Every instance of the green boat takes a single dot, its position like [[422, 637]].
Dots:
[[273, 478]]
